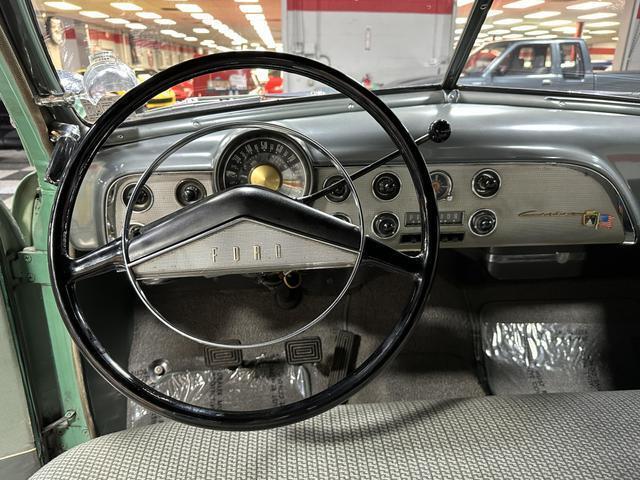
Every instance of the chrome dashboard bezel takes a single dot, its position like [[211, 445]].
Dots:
[[473, 187], [449, 193]]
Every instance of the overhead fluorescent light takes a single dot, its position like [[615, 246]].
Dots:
[[63, 5], [136, 26], [190, 39], [117, 21], [597, 16], [523, 4], [93, 14], [461, 20], [168, 32], [462, 3], [164, 21], [507, 21], [493, 13], [565, 30], [202, 16], [514, 36], [586, 37], [126, 6], [602, 24], [524, 28], [588, 5], [543, 14], [498, 32], [250, 8], [246, 1], [458, 31], [602, 32], [555, 23], [200, 30], [547, 37], [188, 8], [148, 15], [259, 17], [535, 33]]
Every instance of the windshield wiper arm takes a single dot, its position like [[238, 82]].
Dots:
[[439, 131]]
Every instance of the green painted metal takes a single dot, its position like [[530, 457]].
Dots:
[[30, 311]]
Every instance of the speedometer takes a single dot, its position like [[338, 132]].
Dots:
[[268, 160]]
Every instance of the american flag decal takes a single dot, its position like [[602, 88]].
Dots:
[[606, 220]]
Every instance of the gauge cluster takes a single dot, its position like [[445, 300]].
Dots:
[[480, 205], [266, 159]]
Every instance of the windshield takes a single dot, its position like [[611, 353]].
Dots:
[[378, 43], [482, 58], [558, 45]]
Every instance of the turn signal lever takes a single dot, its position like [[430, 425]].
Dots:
[[439, 131]]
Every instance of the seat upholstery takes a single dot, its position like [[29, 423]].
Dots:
[[591, 435]]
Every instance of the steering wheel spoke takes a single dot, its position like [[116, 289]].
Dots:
[[378, 253], [105, 259]]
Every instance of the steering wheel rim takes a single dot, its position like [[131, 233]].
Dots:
[[60, 261]]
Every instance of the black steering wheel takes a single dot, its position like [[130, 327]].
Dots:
[[271, 209]]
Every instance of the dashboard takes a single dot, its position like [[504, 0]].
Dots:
[[484, 200]]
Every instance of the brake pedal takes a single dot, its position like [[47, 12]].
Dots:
[[215, 357]]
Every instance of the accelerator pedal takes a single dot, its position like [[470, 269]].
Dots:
[[344, 357]]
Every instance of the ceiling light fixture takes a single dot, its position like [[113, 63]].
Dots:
[[188, 8], [190, 39], [597, 16], [514, 36], [588, 5], [461, 20], [602, 24], [524, 4], [462, 3], [93, 14], [117, 21], [493, 13], [524, 28], [200, 30], [202, 16], [555, 23], [498, 32], [547, 37], [535, 33], [148, 15], [542, 14], [136, 26], [250, 8], [63, 6], [507, 21], [603, 32], [164, 21], [566, 30], [126, 6]]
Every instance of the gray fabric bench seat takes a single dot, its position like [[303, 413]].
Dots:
[[589, 435]]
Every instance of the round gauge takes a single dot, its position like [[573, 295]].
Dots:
[[442, 184], [268, 160]]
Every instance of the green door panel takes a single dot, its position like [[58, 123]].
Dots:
[[52, 372]]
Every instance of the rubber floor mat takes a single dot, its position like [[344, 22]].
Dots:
[[590, 348]]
